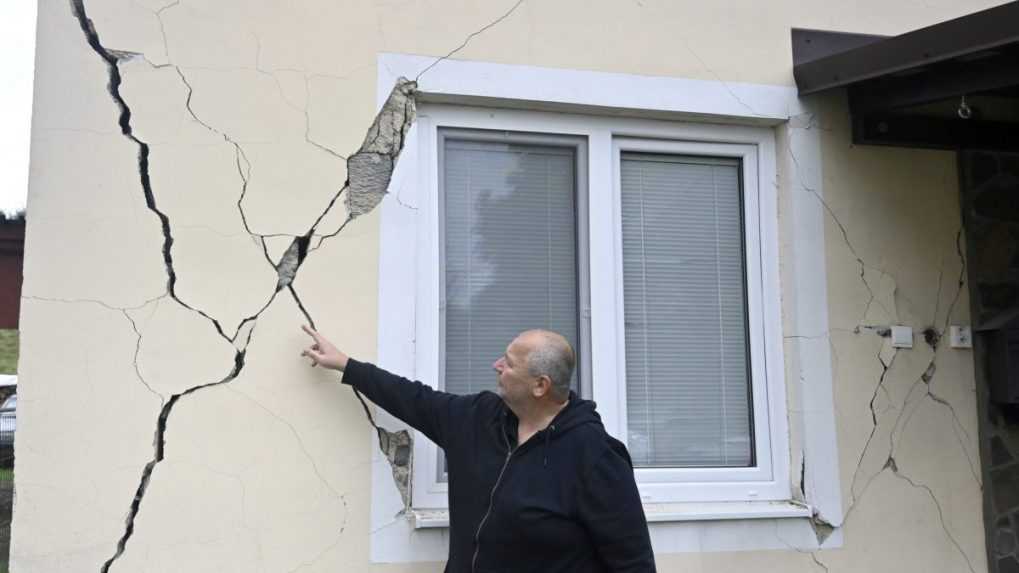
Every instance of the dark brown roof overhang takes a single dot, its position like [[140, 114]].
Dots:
[[906, 89], [824, 60]]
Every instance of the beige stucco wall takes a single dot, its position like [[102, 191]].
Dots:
[[910, 484], [270, 471]]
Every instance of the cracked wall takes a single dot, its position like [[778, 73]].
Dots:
[[205, 177], [909, 459]]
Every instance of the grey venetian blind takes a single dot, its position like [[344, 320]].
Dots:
[[510, 251], [687, 374]]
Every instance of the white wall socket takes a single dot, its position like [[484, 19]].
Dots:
[[902, 336], [960, 337]]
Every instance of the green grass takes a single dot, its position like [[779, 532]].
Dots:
[[6, 475], [8, 353]]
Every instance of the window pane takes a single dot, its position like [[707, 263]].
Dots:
[[687, 351], [510, 252]]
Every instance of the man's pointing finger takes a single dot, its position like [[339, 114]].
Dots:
[[315, 356], [311, 332]]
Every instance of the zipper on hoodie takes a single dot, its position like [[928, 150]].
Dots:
[[491, 501], [491, 497]]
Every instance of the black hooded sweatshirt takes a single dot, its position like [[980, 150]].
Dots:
[[565, 500]]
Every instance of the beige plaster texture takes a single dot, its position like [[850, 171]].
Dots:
[[166, 421], [906, 418]]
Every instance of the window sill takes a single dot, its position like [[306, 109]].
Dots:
[[719, 510], [667, 512]]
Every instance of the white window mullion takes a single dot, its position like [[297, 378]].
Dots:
[[607, 355]]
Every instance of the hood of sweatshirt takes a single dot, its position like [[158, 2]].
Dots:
[[577, 413]]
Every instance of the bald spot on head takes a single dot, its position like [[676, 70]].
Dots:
[[550, 354]]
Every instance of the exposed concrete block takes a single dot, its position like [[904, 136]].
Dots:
[[369, 175], [371, 168], [286, 268]]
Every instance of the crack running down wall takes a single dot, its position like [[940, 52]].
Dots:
[[206, 177]]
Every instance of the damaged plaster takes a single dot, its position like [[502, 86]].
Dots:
[[371, 168], [889, 432], [221, 142], [398, 449], [909, 395], [369, 172]]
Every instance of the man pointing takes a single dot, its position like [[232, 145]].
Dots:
[[535, 482]]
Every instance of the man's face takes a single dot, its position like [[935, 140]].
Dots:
[[515, 383]]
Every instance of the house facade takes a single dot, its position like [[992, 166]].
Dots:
[[773, 317]]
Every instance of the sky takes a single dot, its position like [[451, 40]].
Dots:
[[17, 60]]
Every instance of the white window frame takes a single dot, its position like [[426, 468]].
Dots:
[[755, 148], [432, 492], [607, 137], [733, 110]]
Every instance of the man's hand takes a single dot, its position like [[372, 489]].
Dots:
[[323, 352]]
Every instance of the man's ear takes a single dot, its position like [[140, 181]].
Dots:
[[543, 387]]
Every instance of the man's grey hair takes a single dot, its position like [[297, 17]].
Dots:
[[555, 358]]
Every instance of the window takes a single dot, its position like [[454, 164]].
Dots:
[[639, 240], [765, 128], [687, 391], [509, 242]]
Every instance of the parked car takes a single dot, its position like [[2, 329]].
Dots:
[[8, 421]]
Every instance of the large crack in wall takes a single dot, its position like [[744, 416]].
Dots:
[[919, 390], [369, 172], [112, 58]]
